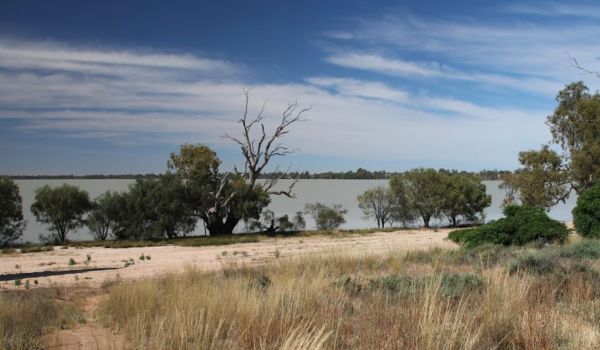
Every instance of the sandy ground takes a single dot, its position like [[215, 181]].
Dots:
[[52, 268]]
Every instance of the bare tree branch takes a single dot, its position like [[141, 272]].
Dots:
[[575, 64], [259, 152]]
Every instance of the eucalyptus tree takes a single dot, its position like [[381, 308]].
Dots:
[[223, 199], [11, 212], [465, 198], [62, 208], [423, 190], [378, 203], [326, 217], [546, 177], [153, 209], [540, 182], [102, 219]]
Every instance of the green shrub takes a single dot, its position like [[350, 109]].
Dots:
[[396, 283], [486, 254], [451, 285], [585, 249], [540, 263], [458, 283], [586, 215], [522, 225]]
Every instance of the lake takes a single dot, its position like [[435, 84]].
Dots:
[[325, 191]]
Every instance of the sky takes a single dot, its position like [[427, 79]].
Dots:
[[114, 87]]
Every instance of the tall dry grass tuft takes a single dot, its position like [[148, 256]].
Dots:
[[27, 315]]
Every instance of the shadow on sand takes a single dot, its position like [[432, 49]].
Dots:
[[39, 274]]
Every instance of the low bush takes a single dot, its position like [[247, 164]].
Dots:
[[540, 263], [585, 249], [586, 215], [522, 225], [451, 285]]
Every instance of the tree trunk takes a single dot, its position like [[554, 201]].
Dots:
[[218, 227], [426, 219]]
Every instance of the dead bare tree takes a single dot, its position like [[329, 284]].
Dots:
[[258, 152]]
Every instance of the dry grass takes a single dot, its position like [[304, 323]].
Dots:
[[489, 298], [436, 300], [26, 315]]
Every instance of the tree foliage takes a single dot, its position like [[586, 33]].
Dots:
[[465, 199], [153, 209], [326, 217], [102, 219], [62, 208], [540, 182], [378, 203], [429, 193], [423, 190], [575, 127], [586, 215], [298, 222], [220, 200], [547, 178], [11, 212]]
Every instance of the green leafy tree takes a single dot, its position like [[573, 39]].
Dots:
[[540, 182], [103, 217], [403, 211], [326, 217], [586, 214], [62, 208], [465, 198], [11, 212], [575, 127], [299, 222], [154, 209], [284, 223], [424, 190], [378, 203]]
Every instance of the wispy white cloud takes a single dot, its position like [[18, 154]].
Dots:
[[50, 92], [550, 9], [517, 53], [53, 55], [362, 89], [381, 64], [402, 68], [339, 35]]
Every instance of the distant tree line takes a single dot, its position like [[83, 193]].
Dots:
[[83, 177], [359, 174], [363, 174]]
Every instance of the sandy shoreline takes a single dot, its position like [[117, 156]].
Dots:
[[52, 268]]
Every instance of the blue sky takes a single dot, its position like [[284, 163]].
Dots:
[[115, 86]]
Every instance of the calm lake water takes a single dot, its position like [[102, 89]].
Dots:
[[325, 191]]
